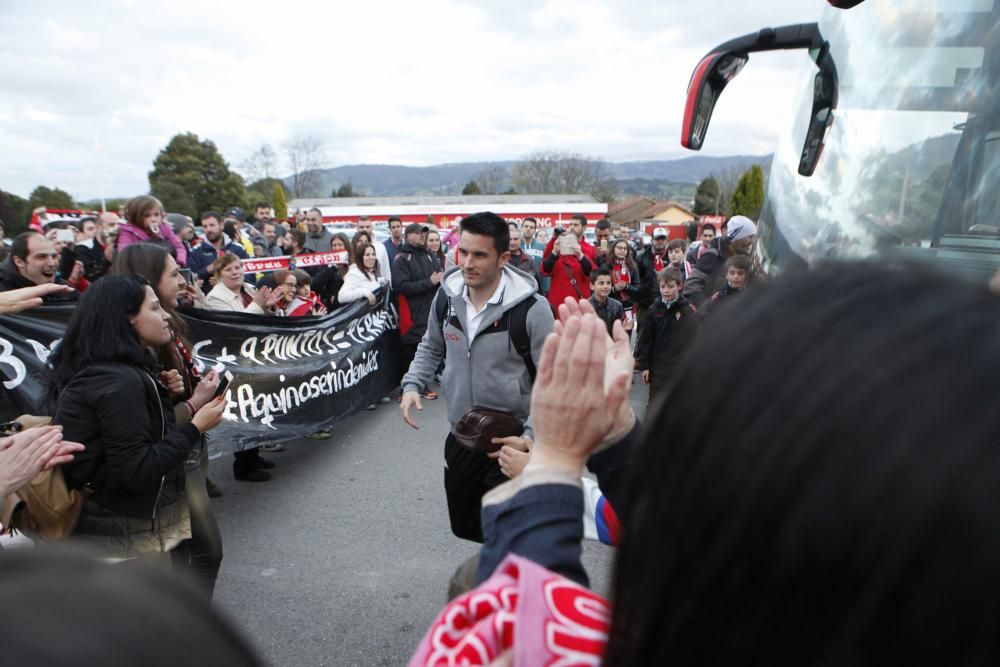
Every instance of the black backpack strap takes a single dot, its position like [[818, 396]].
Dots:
[[517, 329], [441, 307]]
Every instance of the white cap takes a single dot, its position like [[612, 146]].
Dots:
[[659, 232], [740, 227]]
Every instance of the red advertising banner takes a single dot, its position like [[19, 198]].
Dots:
[[306, 261]]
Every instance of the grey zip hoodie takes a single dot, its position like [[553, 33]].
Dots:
[[490, 373]]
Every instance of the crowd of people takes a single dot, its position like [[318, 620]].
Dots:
[[795, 511]]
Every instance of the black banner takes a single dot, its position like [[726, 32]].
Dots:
[[290, 376]]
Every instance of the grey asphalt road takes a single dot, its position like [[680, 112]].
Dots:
[[344, 557]]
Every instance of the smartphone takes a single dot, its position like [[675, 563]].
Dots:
[[604, 245], [188, 276], [630, 315], [568, 244], [227, 377], [65, 235]]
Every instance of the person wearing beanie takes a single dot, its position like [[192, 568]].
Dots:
[[708, 273]]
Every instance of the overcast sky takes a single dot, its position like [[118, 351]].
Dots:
[[92, 91]]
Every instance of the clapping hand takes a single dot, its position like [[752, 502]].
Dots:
[[24, 455], [574, 363], [619, 357]]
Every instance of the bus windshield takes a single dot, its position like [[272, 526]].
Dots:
[[912, 161]]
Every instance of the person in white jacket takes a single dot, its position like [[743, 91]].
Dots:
[[384, 266], [232, 294], [363, 277]]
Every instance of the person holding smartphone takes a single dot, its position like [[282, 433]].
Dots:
[[568, 260]]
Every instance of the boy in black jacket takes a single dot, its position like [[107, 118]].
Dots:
[[670, 325], [737, 268], [608, 309]]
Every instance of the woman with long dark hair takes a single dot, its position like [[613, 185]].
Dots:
[[362, 279], [190, 392], [108, 396], [145, 221]]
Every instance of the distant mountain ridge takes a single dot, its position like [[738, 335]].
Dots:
[[394, 180]]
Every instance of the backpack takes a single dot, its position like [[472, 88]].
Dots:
[[517, 327]]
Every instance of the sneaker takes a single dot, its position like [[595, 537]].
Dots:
[[272, 447], [213, 489], [385, 400], [319, 435], [430, 395], [370, 407], [264, 464], [253, 476]]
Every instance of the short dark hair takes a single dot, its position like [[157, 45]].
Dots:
[[394, 218], [670, 274], [205, 215], [741, 262], [531, 219], [581, 217], [78, 223], [301, 277], [603, 223], [316, 211], [677, 243], [487, 223], [298, 236], [262, 204], [709, 225], [598, 272], [19, 247]]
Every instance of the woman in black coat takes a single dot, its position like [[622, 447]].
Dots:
[[110, 398]]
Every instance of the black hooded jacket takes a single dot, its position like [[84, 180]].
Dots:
[[411, 280]]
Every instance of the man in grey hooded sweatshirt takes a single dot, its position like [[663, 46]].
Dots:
[[490, 305]]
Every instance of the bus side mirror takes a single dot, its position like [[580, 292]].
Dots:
[[724, 62], [820, 121], [707, 83]]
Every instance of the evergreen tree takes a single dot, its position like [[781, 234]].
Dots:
[[14, 213], [748, 198], [346, 190], [192, 176], [706, 197], [471, 188], [50, 198], [279, 202]]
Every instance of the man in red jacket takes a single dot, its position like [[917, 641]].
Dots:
[[569, 272]]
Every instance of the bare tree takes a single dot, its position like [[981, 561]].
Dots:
[[492, 180], [306, 156], [555, 172], [261, 164]]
